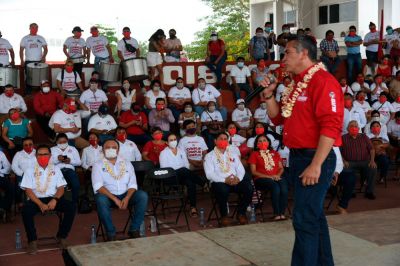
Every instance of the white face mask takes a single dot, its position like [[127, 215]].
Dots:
[[211, 108], [378, 119], [173, 144], [110, 153], [179, 85], [263, 106], [93, 87], [188, 109], [241, 107], [214, 38], [156, 88], [62, 146], [126, 85], [46, 89], [202, 86]]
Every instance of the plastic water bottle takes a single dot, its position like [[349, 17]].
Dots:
[[18, 243], [143, 229], [202, 220], [153, 224], [253, 218], [93, 235]]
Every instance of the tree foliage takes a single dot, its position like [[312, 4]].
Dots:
[[230, 19]]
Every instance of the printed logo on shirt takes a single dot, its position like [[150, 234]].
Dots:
[[333, 101]]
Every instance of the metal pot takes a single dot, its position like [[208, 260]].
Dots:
[[109, 71], [35, 73], [8, 75], [135, 69]]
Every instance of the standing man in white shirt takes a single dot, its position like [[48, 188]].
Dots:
[[178, 96], [6, 186], [128, 47], [114, 184], [44, 187], [205, 93], [226, 173], [371, 42], [239, 75], [67, 158], [5, 49], [35, 48], [74, 49], [100, 48]]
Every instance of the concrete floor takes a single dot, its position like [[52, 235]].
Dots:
[[256, 244]]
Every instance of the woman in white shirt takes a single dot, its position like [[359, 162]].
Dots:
[[153, 94], [176, 159], [125, 97], [380, 142]]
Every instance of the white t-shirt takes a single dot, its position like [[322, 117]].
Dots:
[[385, 110], [369, 37], [390, 39], [210, 93], [23, 161], [33, 47], [75, 47], [56, 181], [357, 114], [126, 100], [347, 89], [367, 128], [213, 170], [208, 117], [240, 74], [279, 91], [102, 123], [381, 135], [169, 159], [193, 146], [93, 100], [355, 87], [67, 121], [5, 166], [125, 53], [378, 91], [4, 47], [16, 101], [396, 106], [261, 115], [365, 106], [129, 151], [179, 94], [68, 83], [238, 140], [274, 142], [90, 155], [242, 117], [98, 46], [72, 154], [284, 153], [394, 128], [150, 94]]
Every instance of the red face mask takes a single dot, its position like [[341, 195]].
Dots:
[[361, 98], [398, 99], [28, 149], [361, 81], [352, 34], [232, 131], [93, 142], [263, 146], [126, 34], [69, 69], [348, 103], [157, 136], [398, 121], [9, 94], [376, 130], [95, 33], [385, 62], [382, 99], [160, 107], [33, 31], [378, 80], [353, 131], [259, 130], [329, 38], [222, 143], [43, 160], [261, 65], [78, 34], [373, 30], [15, 116], [121, 137]]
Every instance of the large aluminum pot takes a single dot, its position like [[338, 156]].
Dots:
[[109, 71], [8, 75], [135, 69], [36, 72]]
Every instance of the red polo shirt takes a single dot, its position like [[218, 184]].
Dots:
[[128, 116], [318, 111], [47, 102], [255, 158]]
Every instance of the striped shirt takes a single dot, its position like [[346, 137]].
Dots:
[[356, 149], [326, 46]]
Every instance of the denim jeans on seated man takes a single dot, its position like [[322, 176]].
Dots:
[[366, 172], [242, 87], [312, 242], [73, 182], [222, 109], [347, 180], [138, 202]]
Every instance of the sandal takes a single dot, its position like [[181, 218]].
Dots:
[[193, 212]]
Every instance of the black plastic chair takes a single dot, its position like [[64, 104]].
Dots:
[[141, 168], [166, 188]]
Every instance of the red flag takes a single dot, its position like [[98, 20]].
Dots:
[[380, 51]]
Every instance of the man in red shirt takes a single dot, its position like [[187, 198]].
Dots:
[[136, 125], [45, 103], [311, 111]]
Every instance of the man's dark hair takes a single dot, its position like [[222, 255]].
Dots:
[[95, 73], [267, 23], [27, 138], [352, 27], [329, 32], [43, 146], [188, 122], [222, 133], [240, 58], [118, 129], [160, 99], [60, 136], [305, 42], [259, 29], [154, 129], [374, 112]]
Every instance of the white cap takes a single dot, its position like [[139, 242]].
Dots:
[[239, 101]]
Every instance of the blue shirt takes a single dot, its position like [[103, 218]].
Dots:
[[353, 49], [17, 130]]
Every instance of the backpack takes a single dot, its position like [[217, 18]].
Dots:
[[62, 77]]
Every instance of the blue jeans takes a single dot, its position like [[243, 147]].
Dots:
[[222, 110], [312, 244], [217, 68], [372, 57], [73, 182], [353, 61], [383, 163], [279, 192], [242, 87], [138, 201], [175, 112], [330, 63]]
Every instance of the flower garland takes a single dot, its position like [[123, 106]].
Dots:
[[269, 162], [111, 172], [37, 175], [225, 167], [290, 94]]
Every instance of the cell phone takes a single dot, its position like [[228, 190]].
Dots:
[[65, 157]]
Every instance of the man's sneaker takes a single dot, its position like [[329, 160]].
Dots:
[[134, 234], [32, 248], [370, 196]]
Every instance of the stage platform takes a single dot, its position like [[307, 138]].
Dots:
[[369, 238]]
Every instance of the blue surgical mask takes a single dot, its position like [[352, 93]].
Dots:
[[267, 29], [240, 64], [389, 31]]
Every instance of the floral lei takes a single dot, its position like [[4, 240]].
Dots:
[[291, 93], [111, 172], [269, 163], [37, 175], [225, 167]]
